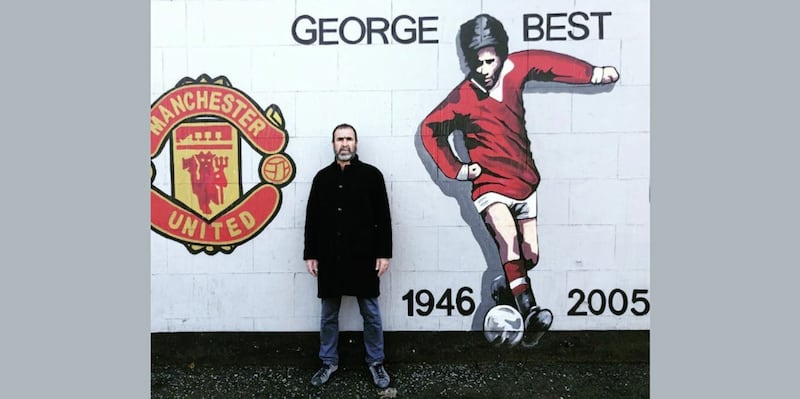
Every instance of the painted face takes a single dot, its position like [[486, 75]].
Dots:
[[344, 144], [488, 66]]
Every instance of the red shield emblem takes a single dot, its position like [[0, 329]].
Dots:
[[208, 124]]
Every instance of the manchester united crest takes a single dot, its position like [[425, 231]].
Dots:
[[217, 198]]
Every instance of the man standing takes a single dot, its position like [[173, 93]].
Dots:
[[487, 108], [348, 244]]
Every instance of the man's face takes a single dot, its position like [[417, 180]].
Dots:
[[344, 144], [488, 66]]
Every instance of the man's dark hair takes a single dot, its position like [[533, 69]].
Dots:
[[342, 125], [479, 32]]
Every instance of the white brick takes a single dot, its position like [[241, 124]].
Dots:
[[304, 296], [367, 111], [172, 296], [286, 324], [423, 204], [633, 248], [623, 109], [201, 324], [595, 52], [247, 23], [167, 24], [343, 8], [176, 67], [460, 250], [607, 280], [457, 322], [575, 156], [156, 69], [389, 67], [180, 260], [610, 202], [295, 68], [302, 190], [215, 296], [634, 156], [635, 65], [451, 69], [158, 325], [395, 158], [553, 202], [545, 111], [252, 295], [279, 250], [195, 24], [630, 19], [233, 63], [415, 248], [158, 253], [309, 155], [575, 247], [285, 217]]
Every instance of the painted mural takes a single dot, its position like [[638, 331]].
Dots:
[[513, 137], [488, 112]]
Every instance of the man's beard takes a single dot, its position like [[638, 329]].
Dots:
[[344, 156]]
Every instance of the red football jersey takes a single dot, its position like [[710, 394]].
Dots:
[[493, 123]]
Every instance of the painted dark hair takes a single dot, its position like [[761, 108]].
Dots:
[[343, 125], [482, 31]]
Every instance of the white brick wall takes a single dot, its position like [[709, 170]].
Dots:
[[591, 144]]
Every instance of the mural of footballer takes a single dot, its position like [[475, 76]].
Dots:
[[487, 108]]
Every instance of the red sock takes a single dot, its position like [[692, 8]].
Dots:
[[515, 275]]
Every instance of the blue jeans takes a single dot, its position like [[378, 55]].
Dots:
[[329, 330]]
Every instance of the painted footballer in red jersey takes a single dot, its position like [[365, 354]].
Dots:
[[487, 108]]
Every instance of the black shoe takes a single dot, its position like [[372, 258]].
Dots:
[[322, 375], [536, 324], [379, 376]]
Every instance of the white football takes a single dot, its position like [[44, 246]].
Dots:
[[503, 326]]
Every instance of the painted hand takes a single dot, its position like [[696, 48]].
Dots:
[[473, 171], [604, 75]]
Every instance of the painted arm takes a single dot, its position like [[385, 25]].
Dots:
[[435, 131], [546, 65]]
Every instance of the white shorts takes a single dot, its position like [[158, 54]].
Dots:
[[520, 209]]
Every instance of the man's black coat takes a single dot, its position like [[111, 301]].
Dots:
[[348, 226]]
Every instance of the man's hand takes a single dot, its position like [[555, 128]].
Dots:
[[311, 265], [604, 75], [473, 171], [381, 265]]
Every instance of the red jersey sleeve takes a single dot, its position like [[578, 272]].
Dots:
[[544, 65], [436, 128]]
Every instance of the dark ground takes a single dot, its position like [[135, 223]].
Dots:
[[587, 364]]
